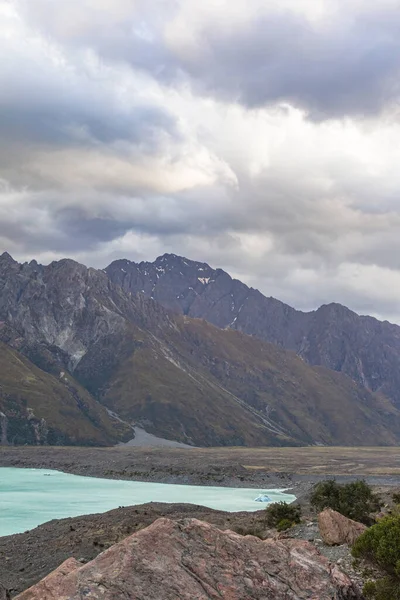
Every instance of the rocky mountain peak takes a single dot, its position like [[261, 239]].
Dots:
[[333, 336], [173, 260], [64, 304], [7, 262], [6, 257]]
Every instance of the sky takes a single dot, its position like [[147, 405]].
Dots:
[[261, 137]]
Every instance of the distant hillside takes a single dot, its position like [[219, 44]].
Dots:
[[38, 408], [178, 377], [365, 349]]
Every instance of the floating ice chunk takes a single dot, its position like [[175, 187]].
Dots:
[[262, 498]]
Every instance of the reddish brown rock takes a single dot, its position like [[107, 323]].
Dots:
[[335, 529], [192, 560]]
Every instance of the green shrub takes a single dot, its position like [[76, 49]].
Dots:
[[254, 530], [278, 512], [381, 545], [354, 500], [284, 525], [383, 589], [396, 497]]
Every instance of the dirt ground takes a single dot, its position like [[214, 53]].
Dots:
[[248, 467]]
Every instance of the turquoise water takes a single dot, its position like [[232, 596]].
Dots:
[[29, 497]]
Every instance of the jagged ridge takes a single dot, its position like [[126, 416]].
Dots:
[[365, 349]]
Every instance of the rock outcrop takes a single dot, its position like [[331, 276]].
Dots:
[[336, 529], [190, 560]]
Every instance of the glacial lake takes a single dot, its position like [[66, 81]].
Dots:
[[29, 497]]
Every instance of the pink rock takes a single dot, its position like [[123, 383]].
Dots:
[[192, 560], [335, 529]]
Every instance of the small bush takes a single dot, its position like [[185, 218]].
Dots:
[[279, 512], [255, 531], [396, 497], [383, 589], [284, 525], [381, 545], [354, 500]]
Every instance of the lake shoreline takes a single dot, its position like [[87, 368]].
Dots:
[[293, 469], [30, 497], [152, 465]]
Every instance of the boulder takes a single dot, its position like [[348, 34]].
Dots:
[[191, 560], [336, 529]]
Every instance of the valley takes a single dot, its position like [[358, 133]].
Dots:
[[235, 467]]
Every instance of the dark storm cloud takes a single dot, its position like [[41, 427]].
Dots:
[[66, 122], [52, 100], [335, 70], [346, 64], [55, 107]]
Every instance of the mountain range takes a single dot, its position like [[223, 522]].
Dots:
[[365, 349], [189, 354]]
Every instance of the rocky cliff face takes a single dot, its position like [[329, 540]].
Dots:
[[178, 377], [190, 559], [52, 315], [363, 348], [64, 306]]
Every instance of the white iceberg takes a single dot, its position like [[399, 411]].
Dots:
[[262, 498]]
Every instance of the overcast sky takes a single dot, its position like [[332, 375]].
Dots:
[[260, 136]]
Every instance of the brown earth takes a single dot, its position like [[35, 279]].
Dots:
[[239, 467]]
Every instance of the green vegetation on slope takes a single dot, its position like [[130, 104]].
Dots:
[[198, 384], [175, 403], [40, 408]]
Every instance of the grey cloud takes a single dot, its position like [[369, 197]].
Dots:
[[50, 111], [348, 66], [74, 123], [56, 102], [343, 69]]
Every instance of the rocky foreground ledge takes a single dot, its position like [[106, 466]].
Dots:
[[192, 560]]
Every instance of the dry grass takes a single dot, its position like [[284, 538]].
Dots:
[[382, 461]]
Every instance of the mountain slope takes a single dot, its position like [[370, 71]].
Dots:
[[38, 408], [363, 348], [180, 378], [193, 385]]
